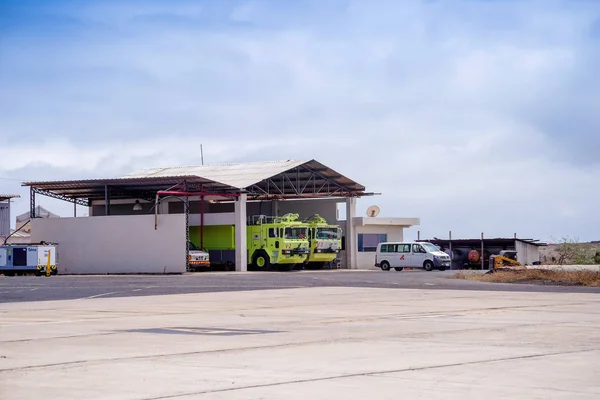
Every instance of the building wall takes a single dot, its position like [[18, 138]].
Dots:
[[367, 259], [98, 210], [527, 253], [212, 219], [4, 219], [123, 244]]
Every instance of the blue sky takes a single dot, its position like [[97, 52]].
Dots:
[[476, 116]]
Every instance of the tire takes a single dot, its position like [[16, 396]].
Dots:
[[398, 269], [37, 272], [428, 265], [9, 273], [262, 261], [442, 268], [385, 266]]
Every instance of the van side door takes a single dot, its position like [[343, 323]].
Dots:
[[392, 255], [418, 256], [403, 255]]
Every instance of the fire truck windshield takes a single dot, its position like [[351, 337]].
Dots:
[[327, 233], [295, 233]]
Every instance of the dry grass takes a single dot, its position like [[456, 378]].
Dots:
[[538, 276]]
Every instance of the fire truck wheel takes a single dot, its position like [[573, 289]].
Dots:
[[261, 261]]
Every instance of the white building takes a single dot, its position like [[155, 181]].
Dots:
[[138, 223], [5, 230]]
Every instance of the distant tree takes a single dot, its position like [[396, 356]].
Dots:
[[570, 251], [597, 258]]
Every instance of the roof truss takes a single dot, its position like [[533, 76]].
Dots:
[[306, 181], [310, 179]]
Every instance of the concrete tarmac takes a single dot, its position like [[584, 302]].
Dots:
[[304, 343], [67, 287]]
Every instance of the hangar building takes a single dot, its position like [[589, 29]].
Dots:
[[141, 222]]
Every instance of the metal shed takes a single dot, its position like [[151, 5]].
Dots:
[[5, 214], [527, 250]]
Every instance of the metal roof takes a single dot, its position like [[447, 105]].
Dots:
[[40, 212], [486, 242], [241, 175], [285, 179], [9, 196], [19, 234], [118, 188]]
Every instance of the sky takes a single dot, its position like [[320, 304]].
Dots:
[[472, 115]]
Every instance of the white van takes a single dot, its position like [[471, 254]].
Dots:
[[399, 255]]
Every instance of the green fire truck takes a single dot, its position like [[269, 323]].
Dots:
[[272, 242], [325, 242]]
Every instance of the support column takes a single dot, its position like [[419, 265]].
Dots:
[[31, 203], [106, 200], [241, 247], [275, 208], [351, 253]]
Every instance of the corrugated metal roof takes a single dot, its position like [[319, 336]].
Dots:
[[19, 234], [9, 196], [40, 212], [487, 242], [285, 179], [240, 175]]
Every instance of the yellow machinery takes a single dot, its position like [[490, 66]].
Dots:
[[506, 260]]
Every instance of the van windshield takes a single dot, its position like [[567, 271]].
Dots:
[[430, 247]]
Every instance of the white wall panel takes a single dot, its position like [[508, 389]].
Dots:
[[115, 244]]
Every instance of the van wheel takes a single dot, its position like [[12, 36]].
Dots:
[[442, 268], [385, 266], [428, 265], [398, 269]]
